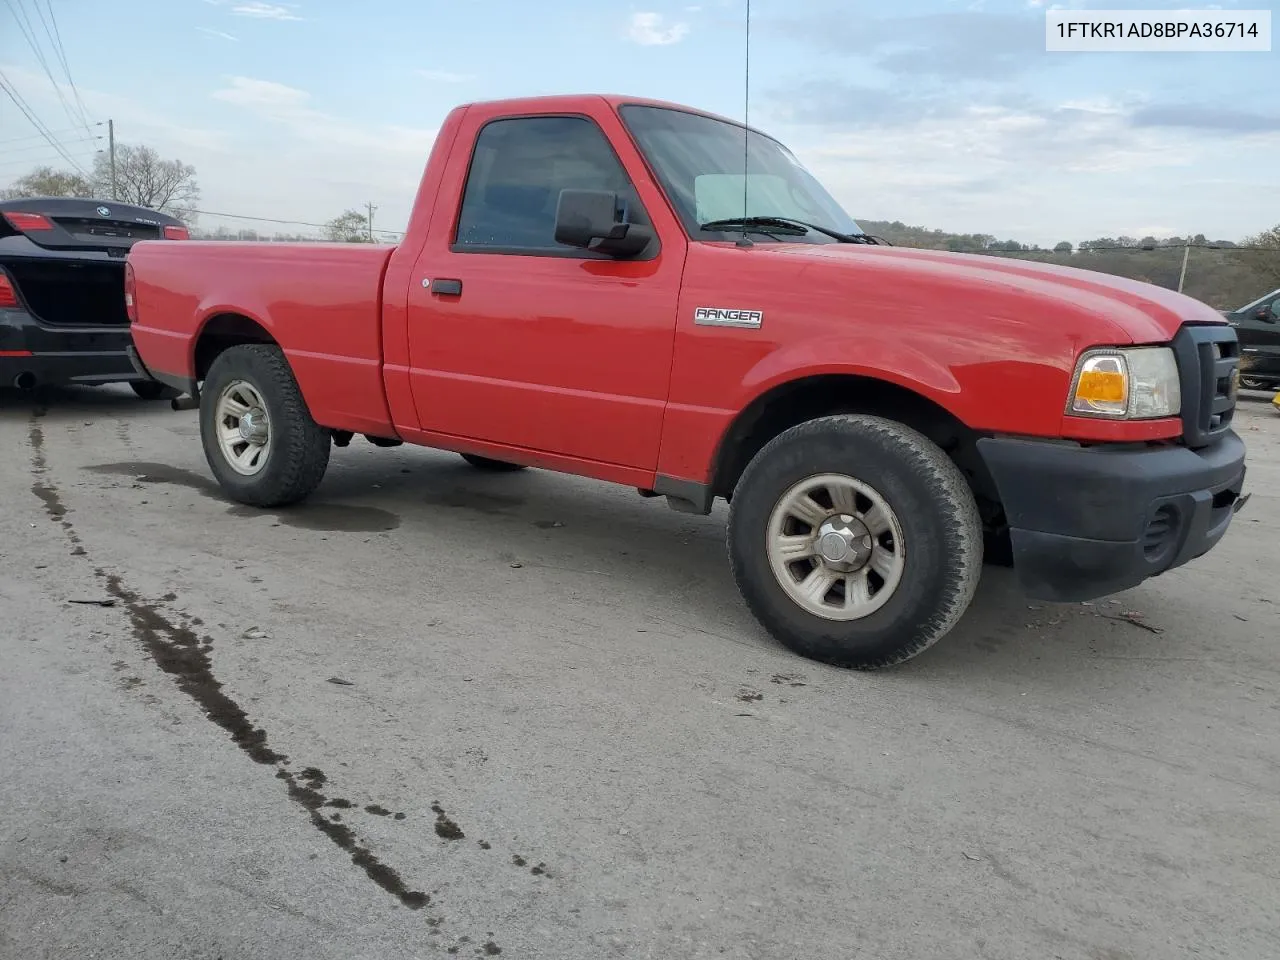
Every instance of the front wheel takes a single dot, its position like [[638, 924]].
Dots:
[[855, 541], [154, 390], [1253, 383], [259, 438]]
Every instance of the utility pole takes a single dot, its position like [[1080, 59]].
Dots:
[[1186, 255], [111, 143], [370, 220]]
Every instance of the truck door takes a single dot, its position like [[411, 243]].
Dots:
[[523, 341]]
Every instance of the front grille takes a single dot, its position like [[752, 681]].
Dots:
[[91, 229], [1208, 357]]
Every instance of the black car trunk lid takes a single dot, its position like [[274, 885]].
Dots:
[[85, 225]]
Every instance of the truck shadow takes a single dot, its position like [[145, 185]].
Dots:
[[671, 566], [618, 541]]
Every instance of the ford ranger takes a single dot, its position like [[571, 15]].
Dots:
[[649, 295]]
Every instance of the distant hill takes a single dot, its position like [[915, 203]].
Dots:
[[1222, 273]]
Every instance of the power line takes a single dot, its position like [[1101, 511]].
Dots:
[[42, 146], [12, 93], [61, 52], [287, 223], [23, 20], [62, 130]]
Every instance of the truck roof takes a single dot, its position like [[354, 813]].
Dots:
[[581, 101]]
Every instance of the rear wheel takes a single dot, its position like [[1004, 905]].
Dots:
[[855, 541], [154, 390], [494, 466], [259, 438], [1253, 383]]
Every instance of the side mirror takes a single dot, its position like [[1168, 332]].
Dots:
[[592, 220]]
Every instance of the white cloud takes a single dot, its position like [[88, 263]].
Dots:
[[652, 29], [266, 94], [263, 11], [282, 158], [316, 163], [217, 33], [1035, 175], [445, 76], [134, 122]]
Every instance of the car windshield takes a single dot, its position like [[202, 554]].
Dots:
[[1257, 303], [699, 162]]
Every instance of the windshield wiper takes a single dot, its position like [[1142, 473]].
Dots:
[[783, 222]]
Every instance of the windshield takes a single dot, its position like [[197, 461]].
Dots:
[[699, 162]]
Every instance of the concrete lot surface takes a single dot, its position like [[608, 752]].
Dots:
[[441, 713]]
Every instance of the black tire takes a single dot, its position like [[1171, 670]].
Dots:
[[1255, 383], [297, 448], [938, 518], [154, 390], [493, 466]]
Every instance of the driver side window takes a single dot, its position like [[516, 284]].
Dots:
[[518, 169]]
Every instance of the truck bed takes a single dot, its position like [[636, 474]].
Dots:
[[300, 293]]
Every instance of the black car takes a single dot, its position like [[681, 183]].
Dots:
[[62, 300], [1258, 329]]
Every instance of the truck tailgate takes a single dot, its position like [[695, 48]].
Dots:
[[321, 302]]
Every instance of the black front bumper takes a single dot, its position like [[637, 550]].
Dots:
[[1086, 522], [38, 354]]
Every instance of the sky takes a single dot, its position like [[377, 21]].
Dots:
[[941, 113]]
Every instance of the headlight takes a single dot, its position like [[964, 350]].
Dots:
[[1138, 383]]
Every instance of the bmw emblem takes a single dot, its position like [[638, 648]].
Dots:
[[104, 211]]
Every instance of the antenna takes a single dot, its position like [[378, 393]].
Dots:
[[745, 241]]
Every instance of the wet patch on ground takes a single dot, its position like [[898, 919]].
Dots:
[[445, 827], [322, 517], [482, 501], [325, 517], [145, 472], [178, 651], [176, 646]]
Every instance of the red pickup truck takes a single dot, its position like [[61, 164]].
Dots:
[[594, 285]]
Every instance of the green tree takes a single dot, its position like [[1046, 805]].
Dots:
[[1063, 247], [48, 182], [351, 227]]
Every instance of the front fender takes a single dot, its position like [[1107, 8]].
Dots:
[[890, 360]]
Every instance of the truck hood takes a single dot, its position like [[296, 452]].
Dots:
[[1139, 312]]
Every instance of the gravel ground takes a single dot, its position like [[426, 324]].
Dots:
[[437, 713]]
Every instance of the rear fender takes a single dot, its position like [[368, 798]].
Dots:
[[208, 312]]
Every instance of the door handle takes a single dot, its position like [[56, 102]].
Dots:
[[446, 287]]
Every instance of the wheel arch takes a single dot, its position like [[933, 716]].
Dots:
[[791, 402], [222, 330]]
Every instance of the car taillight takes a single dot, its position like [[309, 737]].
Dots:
[[130, 304], [177, 233], [28, 222], [8, 296]]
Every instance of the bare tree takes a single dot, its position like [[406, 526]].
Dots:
[[1265, 258], [145, 180], [48, 182]]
